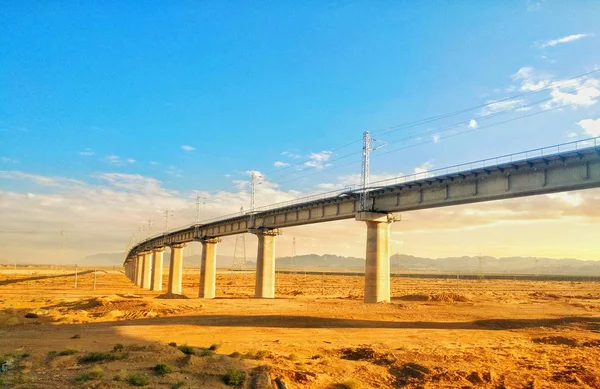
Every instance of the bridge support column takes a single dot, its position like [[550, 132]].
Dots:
[[176, 268], [208, 268], [139, 262], [157, 269], [377, 263], [265, 262], [147, 270]]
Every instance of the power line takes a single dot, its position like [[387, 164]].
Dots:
[[475, 129], [481, 118], [430, 141], [464, 110], [430, 119]]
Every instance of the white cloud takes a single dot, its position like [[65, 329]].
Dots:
[[279, 164], [564, 39], [318, 160], [113, 160], [291, 154], [574, 92], [473, 124], [86, 153], [423, 168], [174, 171], [187, 148], [531, 79], [131, 160], [7, 160], [134, 182], [571, 135], [533, 6], [523, 73], [498, 106], [436, 138], [590, 126]]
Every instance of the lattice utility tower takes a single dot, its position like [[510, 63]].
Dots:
[[364, 174], [167, 213], [198, 204], [239, 251], [253, 182]]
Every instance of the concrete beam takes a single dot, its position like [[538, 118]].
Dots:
[[265, 262], [176, 268], [208, 268], [157, 269], [377, 263]]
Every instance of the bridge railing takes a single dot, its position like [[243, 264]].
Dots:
[[489, 162]]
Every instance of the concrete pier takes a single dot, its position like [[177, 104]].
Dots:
[[147, 270], [265, 262], [377, 263], [208, 268], [176, 268], [139, 261], [157, 269]]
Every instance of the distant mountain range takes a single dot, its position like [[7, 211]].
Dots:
[[399, 263]]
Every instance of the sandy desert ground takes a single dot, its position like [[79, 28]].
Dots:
[[443, 333]]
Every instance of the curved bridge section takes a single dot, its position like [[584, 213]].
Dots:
[[566, 167]]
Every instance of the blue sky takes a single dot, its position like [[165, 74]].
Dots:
[[89, 90]]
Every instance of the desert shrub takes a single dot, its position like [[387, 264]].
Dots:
[[25, 355], [120, 376], [101, 357], [76, 336], [92, 374], [214, 347], [173, 344], [178, 385], [235, 354], [204, 352], [118, 347], [118, 356], [234, 377], [52, 354], [292, 357], [162, 369], [94, 357], [137, 379], [96, 372], [20, 379], [31, 315], [316, 356], [188, 350], [68, 351]]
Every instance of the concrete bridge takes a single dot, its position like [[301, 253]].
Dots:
[[565, 167]]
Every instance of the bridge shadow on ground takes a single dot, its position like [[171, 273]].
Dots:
[[38, 278], [281, 321]]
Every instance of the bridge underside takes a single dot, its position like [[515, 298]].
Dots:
[[573, 170]]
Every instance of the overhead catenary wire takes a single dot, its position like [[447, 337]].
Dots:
[[375, 155], [475, 129], [434, 118], [488, 104]]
